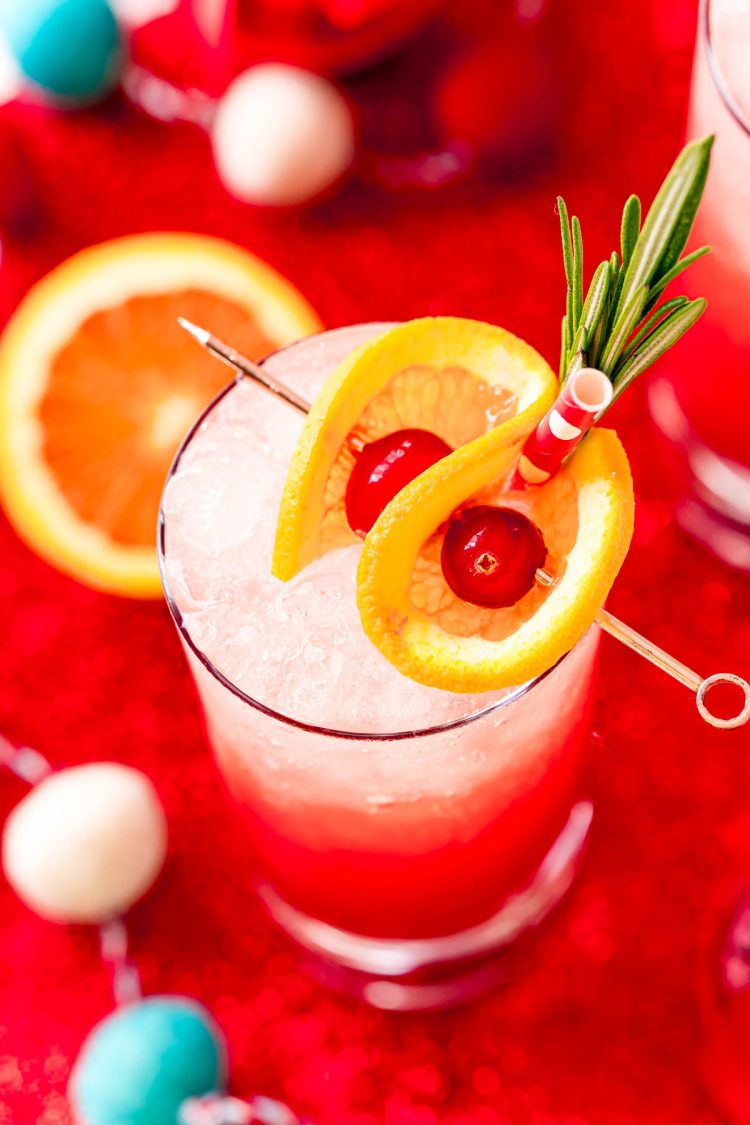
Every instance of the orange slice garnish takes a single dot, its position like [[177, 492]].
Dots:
[[98, 384], [457, 378], [586, 516], [447, 375]]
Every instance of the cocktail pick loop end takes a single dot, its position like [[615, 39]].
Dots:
[[641, 645]]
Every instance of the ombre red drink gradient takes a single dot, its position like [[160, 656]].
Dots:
[[401, 833]]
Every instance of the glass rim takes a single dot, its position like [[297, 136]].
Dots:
[[289, 720], [714, 65]]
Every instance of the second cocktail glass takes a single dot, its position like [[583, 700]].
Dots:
[[703, 403]]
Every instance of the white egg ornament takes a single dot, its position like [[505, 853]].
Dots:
[[282, 136], [85, 843]]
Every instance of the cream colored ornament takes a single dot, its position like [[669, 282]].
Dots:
[[86, 842], [281, 135]]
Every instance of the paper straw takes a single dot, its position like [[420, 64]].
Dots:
[[586, 393]]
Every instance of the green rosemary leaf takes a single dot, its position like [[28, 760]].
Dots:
[[615, 290], [598, 335], [693, 162], [593, 306], [564, 344], [660, 340], [577, 361], [651, 321], [578, 339], [595, 346], [576, 356], [567, 245], [657, 290], [669, 220], [630, 228], [622, 329], [577, 269], [569, 317]]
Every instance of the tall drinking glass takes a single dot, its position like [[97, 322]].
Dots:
[[703, 405], [401, 834]]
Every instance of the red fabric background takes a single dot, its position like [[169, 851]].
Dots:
[[599, 1022]]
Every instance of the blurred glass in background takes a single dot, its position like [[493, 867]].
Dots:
[[703, 405]]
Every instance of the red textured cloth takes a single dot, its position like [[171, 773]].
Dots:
[[598, 1024]]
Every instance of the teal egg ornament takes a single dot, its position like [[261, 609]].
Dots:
[[140, 1064], [71, 50]]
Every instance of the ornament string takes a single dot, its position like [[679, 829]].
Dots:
[[25, 763], [625, 634], [113, 947], [231, 1111]]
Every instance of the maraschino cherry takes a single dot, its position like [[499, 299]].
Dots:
[[490, 555], [383, 468]]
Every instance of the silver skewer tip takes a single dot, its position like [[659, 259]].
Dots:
[[199, 334]]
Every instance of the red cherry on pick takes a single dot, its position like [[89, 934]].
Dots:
[[383, 468], [490, 555]]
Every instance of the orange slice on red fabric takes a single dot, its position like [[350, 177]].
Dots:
[[98, 384]]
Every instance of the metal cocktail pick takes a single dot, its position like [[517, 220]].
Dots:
[[607, 621]]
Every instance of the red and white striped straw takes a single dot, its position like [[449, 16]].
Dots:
[[586, 393]]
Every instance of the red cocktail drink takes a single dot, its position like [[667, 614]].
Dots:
[[401, 831]]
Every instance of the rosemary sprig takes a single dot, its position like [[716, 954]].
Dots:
[[619, 327]]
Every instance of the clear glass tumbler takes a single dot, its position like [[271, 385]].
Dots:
[[405, 857]]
